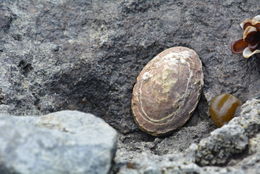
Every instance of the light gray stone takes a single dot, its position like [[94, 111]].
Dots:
[[250, 164], [224, 142], [233, 147], [57, 143], [173, 163], [232, 138]]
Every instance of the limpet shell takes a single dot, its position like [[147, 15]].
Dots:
[[167, 91]]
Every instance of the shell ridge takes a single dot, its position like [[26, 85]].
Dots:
[[146, 116], [167, 90], [159, 121]]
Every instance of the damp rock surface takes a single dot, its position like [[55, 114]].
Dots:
[[57, 143], [85, 55]]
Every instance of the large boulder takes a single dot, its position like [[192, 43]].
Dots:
[[57, 143]]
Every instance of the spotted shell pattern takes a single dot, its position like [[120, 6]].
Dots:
[[167, 91]]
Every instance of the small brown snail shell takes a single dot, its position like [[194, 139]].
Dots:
[[250, 42], [167, 91], [223, 108]]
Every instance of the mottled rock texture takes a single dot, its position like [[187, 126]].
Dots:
[[234, 146], [86, 55], [232, 138], [57, 143]]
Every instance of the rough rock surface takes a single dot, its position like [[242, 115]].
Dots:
[[57, 143], [234, 145], [231, 138], [86, 55]]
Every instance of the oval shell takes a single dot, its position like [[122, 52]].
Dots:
[[223, 108], [167, 91]]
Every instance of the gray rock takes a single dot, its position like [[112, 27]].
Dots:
[[232, 138], [233, 147], [60, 142], [174, 163], [254, 144], [85, 55], [224, 142], [250, 164]]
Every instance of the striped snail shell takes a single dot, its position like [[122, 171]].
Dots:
[[167, 91]]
